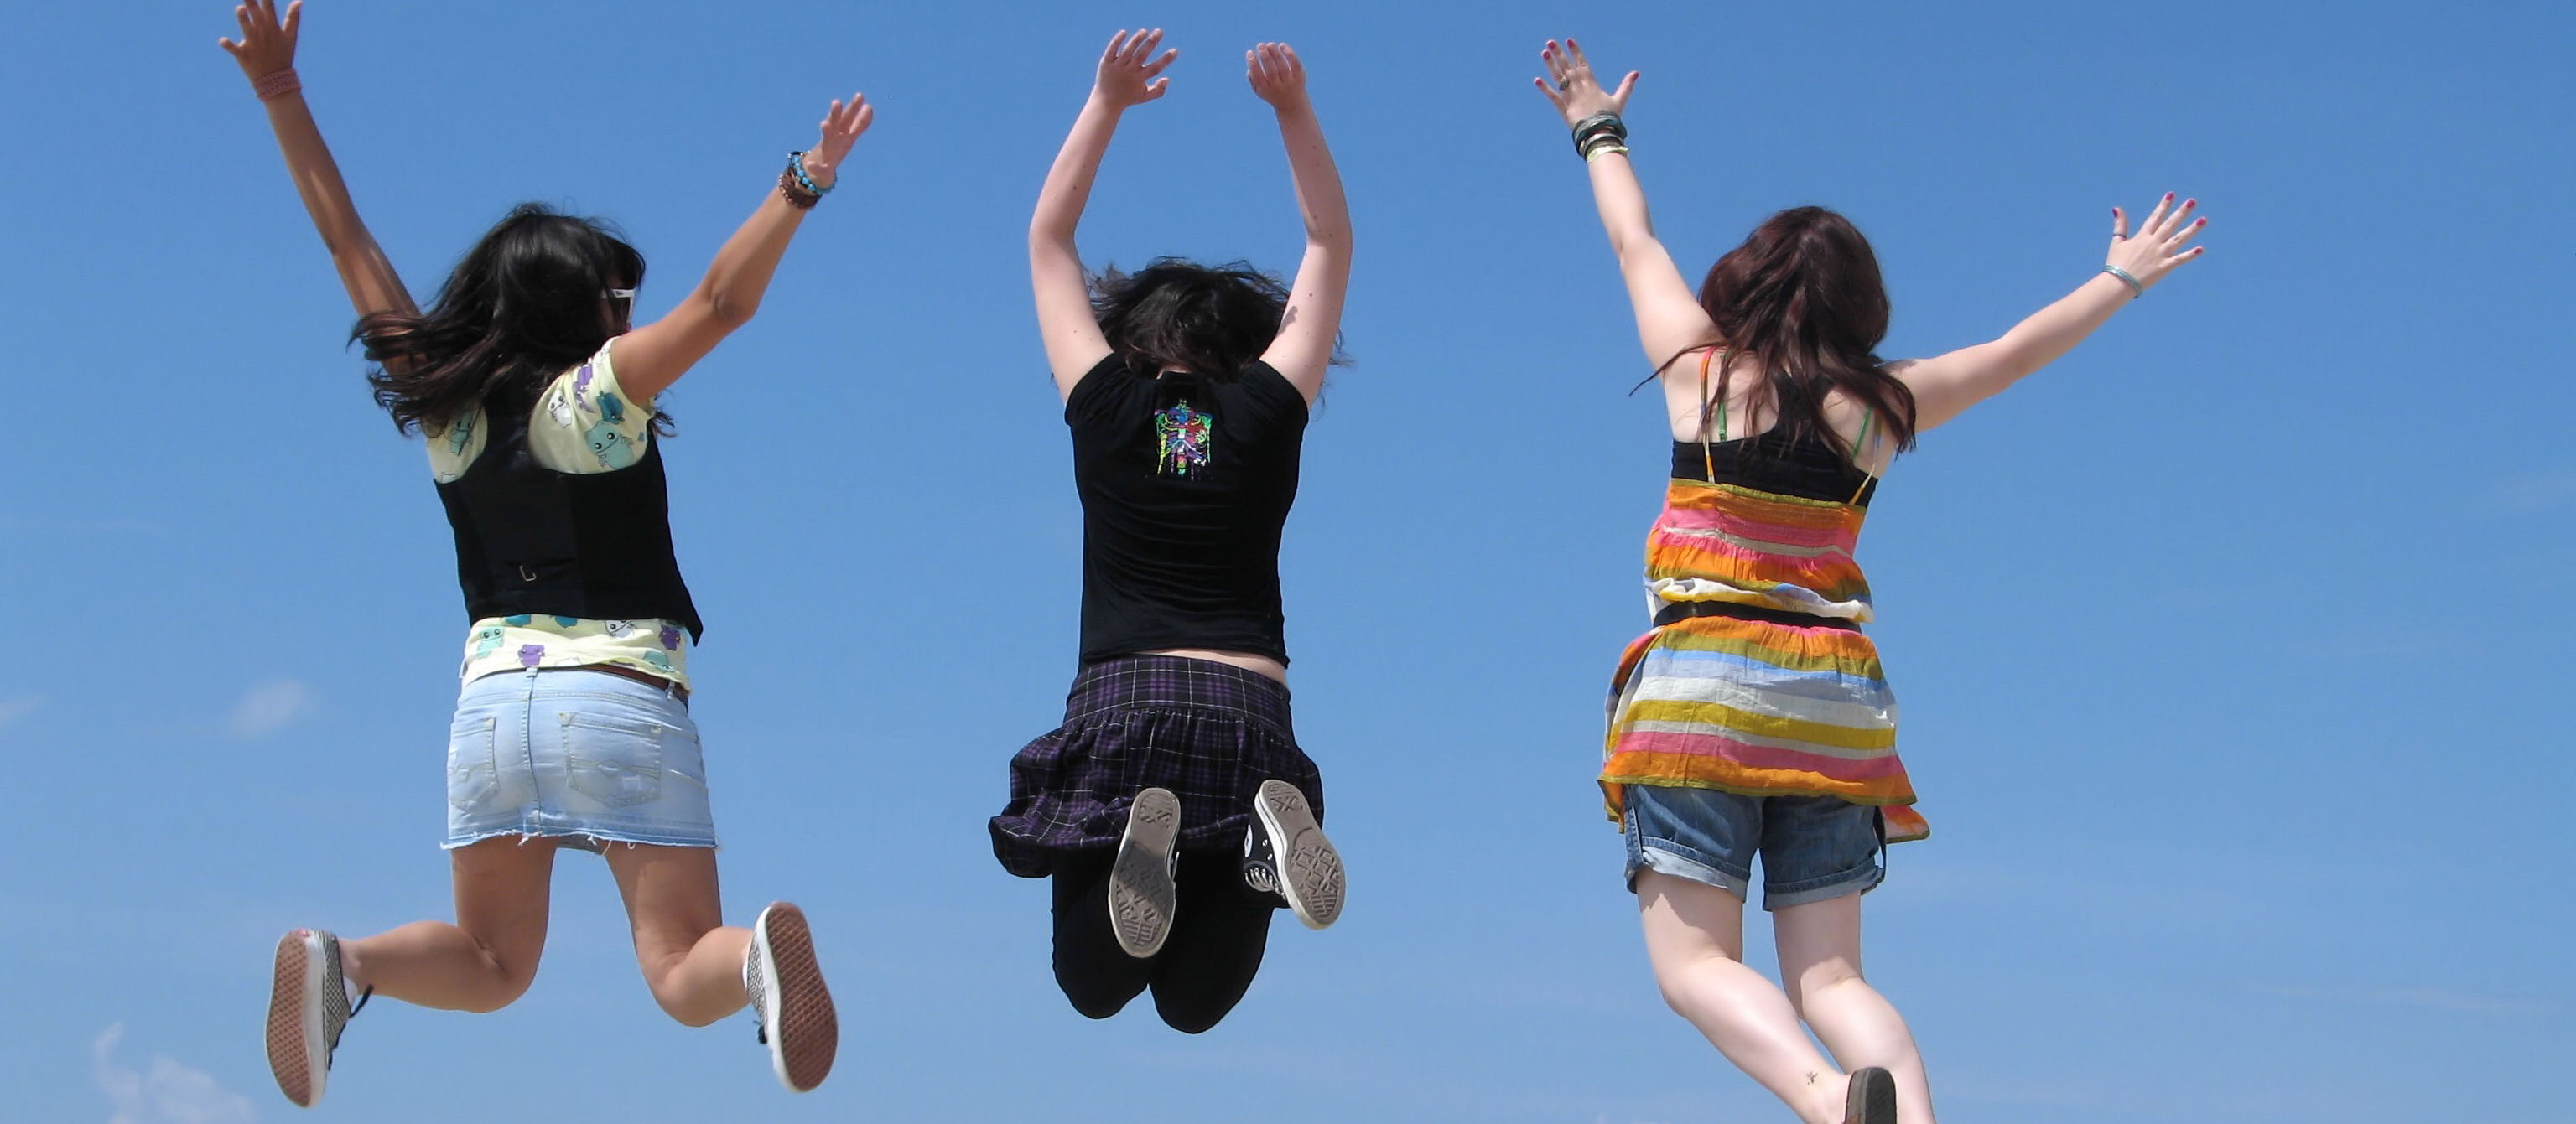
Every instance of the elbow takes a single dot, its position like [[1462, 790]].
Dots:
[[731, 312]]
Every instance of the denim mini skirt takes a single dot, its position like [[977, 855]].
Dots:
[[583, 757]]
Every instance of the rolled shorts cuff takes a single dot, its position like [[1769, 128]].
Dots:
[[1857, 880], [1681, 862]]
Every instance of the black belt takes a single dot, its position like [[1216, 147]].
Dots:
[[1684, 610]]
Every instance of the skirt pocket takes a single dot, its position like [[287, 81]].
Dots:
[[615, 761], [472, 773]]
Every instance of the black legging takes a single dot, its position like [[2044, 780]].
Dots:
[[1219, 930]]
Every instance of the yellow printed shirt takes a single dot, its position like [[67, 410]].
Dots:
[[583, 423]]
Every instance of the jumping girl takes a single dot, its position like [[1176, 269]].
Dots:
[[572, 728], [1753, 718], [1173, 808]]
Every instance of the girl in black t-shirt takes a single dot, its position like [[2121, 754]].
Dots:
[[1173, 809]]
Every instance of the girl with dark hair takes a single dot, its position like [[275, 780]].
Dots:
[[572, 728], [1753, 718], [1173, 809]]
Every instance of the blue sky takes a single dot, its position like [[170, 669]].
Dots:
[[2226, 645]]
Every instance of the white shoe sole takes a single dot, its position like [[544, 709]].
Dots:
[[1310, 870], [1141, 895], [795, 1008], [298, 1055]]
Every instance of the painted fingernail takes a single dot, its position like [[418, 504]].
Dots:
[[2169, 197], [2191, 202]]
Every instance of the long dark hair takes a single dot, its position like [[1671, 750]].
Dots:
[[526, 302], [1178, 315], [1802, 297]]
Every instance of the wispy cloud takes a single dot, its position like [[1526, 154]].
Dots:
[[166, 1093], [2432, 998], [272, 706], [11, 710]]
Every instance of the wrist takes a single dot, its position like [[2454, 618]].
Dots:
[[276, 84]]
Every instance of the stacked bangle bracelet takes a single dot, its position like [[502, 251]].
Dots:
[[798, 188], [2127, 278], [276, 84], [1599, 134]]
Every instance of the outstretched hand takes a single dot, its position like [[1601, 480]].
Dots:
[[267, 43], [841, 129], [1577, 94], [1129, 72], [2159, 245], [1276, 74]]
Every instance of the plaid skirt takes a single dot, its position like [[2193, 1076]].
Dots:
[[1210, 732]]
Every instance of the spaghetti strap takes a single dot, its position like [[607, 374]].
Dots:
[[1868, 420], [1707, 457]]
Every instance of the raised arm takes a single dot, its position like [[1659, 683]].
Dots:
[[1945, 386], [651, 358], [1669, 317], [266, 53], [1307, 330], [1129, 75]]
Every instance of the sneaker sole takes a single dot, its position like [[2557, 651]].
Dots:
[[295, 1023], [1310, 870], [1141, 895], [1872, 1098], [804, 1030]]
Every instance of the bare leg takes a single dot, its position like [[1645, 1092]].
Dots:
[[1820, 962], [691, 959], [485, 960], [1695, 937]]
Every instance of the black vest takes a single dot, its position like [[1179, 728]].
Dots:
[[535, 541]]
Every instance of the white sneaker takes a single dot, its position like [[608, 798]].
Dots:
[[308, 1007], [1285, 853], [1141, 894], [785, 984]]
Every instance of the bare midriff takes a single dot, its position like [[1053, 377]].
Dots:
[[1263, 665]]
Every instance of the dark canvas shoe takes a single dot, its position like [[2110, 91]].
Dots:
[[1872, 1097], [785, 984], [1141, 894], [1286, 854], [308, 1007]]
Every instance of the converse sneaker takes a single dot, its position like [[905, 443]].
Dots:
[[1285, 853], [308, 1006], [1141, 894], [1871, 1097], [785, 984]]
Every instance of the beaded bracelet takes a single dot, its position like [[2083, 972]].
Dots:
[[2127, 278], [277, 84], [796, 194], [796, 164]]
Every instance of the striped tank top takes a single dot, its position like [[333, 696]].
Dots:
[[1756, 678]]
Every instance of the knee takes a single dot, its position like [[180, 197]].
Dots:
[[1818, 981], [503, 989], [1676, 976], [1192, 1018], [1095, 1004]]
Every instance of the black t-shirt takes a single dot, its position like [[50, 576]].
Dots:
[[1186, 481]]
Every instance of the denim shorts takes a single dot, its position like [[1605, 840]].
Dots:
[[1813, 848], [584, 757]]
